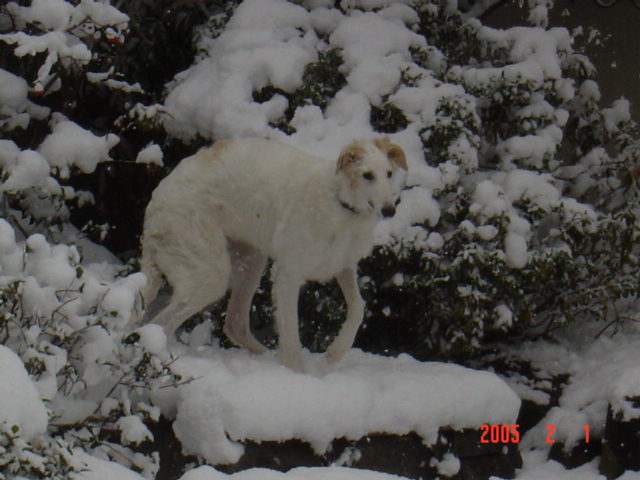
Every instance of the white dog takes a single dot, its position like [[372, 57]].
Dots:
[[216, 219]]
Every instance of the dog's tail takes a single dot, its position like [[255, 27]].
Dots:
[[154, 276], [150, 269]]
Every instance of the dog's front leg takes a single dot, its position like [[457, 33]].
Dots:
[[285, 299], [348, 281]]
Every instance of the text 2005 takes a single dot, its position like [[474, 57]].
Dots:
[[511, 434]]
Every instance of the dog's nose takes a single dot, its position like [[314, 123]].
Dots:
[[388, 211]]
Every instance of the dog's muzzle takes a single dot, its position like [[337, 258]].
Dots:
[[388, 211]]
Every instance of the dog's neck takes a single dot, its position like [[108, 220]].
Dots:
[[349, 208], [347, 204]]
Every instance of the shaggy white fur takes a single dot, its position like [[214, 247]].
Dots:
[[216, 219]]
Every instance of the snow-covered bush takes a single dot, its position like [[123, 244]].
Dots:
[[66, 320], [65, 303], [513, 218]]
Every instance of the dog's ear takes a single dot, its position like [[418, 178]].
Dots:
[[394, 152], [349, 156]]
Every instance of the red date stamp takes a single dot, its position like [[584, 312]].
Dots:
[[499, 433], [511, 433]]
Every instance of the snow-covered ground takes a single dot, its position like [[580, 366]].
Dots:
[[237, 396], [230, 395], [536, 467], [254, 397]]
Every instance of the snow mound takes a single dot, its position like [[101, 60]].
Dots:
[[94, 468], [71, 145], [603, 373], [267, 42], [303, 473], [15, 108], [20, 404], [237, 396], [152, 153]]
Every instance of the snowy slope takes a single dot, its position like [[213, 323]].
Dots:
[[331, 473], [238, 396], [602, 372]]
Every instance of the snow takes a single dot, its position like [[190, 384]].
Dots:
[[489, 198], [28, 169], [13, 91], [152, 338], [15, 108], [269, 15], [417, 205], [589, 89], [448, 466], [50, 264], [51, 14], [375, 49], [20, 403], [236, 396], [617, 114], [152, 154], [505, 316], [497, 195], [56, 42], [303, 473], [535, 467], [625, 389], [71, 145], [537, 188], [532, 48], [7, 238], [534, 149], [100, 12], [94, 468], [61, 29], [486, 232], [603, 372], [255, 50], [61, 15], [133, 430], [120, 299]]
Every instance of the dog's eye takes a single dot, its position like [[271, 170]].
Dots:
[[389, 173], [368, 175]]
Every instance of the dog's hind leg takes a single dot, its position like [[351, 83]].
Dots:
[[174, 314], [198, 268], [348, 281], [247, 266], [188, 300]]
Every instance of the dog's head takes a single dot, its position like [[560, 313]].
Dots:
[[368, 176]]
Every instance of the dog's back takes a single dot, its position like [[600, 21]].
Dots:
[[262, 193], [238, 176]]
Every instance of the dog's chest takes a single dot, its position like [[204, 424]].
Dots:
[[333, 251]]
